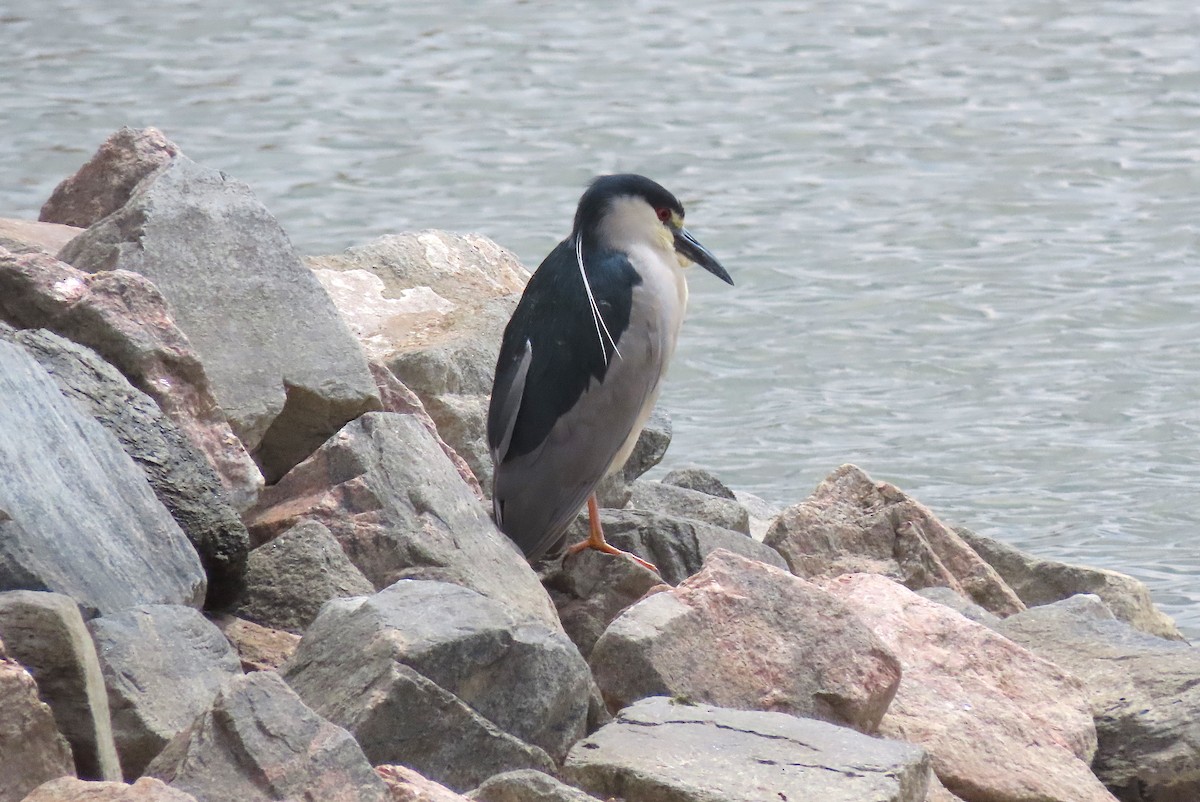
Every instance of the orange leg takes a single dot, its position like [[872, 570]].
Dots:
[[596, 538]]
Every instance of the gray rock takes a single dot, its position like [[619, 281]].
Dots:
[[163, 665], [853, 524], [283, 365], [651, 445], [123, 317], [700, 480], [658, 750], [26, 236], [46, 634], [1144, 692], [258, 741], [676, 546], [387, 492], [1038, 581], [967, 608], [762, 513], [747, 635], [591, 589], [681, 502], [69, 789], [105, 183], [180, 475], [32, 750], [73, 499], [457, 689], [290, 577], [527, 785]]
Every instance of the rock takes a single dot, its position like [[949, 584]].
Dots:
[[290, 577], [105, 183], [259, 648], [965, 607], [32, 750], [443, 680], [46, 634], [1144, 693], [181, 477], [747, 635], [73, 500], [386, 491], [762, 514], [853, 524], [651, 445], [681, 502], [124, 318], [700, 480], [69, 789], [527, 785], [658, 750], [677, 546], [1038, 581], [432, 306], [258, 741], [938, 792], [397, 397], [592, 589], [406, 785], [163, 666], [26, 236], [283, 365], [1000, 723]]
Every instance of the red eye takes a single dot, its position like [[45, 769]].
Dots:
[[664, 214]]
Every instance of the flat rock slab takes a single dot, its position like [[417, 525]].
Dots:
[[284, 367], [1144, 693], [258, 741], [46, 633], [386, 490], [659, 750], [1039, 581], [747, 635], [290, 577], [1001, 724], [442, 679], [852, 523], [73, 499], [26, 236], [69, 789], [32, 750], [163, 665], [178, 472]]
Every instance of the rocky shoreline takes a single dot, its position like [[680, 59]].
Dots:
[[245, 554]]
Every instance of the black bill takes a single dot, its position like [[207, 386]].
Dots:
[[687, 245]]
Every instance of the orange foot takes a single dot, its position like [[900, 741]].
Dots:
[[596, 538]]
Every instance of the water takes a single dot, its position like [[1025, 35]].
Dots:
[[965, 237]]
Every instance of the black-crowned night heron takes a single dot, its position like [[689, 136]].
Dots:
[[583, 358]]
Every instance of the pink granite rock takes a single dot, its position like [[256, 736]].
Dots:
[[32, 750], [1001, 724], [853, 524], [69, 789], [407, 785]]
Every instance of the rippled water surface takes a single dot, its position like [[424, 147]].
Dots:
[[965, 236]]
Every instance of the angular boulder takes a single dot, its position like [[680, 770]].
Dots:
[[46, 634], [458, 689], [1039, 581], [163, 665], [399, 509], [69, 789], [1000, 723], [701, 481], [1144, 693], [290, 577], [432, 306], [32, 750], [851, 524], [105, 182], [258, 741], [123, 317], [680, 502], [181, 477], [283, 366], [747, 635], [527, 785], [73, 499], [658, 750]]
